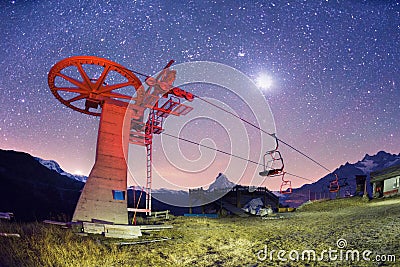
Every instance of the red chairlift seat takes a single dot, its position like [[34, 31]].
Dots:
[[288, 190], [334, 185], [286, 185]]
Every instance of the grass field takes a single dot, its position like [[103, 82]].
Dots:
[[373, 226]]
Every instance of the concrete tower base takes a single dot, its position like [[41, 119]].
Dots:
[[104, 196]]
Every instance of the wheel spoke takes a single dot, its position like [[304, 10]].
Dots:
[[102, 78], [76, 98], [85, 78], [109, 88], [76, 79], [118, 95], [72, 90], [71, 80]]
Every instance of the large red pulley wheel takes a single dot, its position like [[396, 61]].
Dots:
[[85, 82]]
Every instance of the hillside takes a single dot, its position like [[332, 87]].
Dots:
[[346, 174], [32, 191], [357, 224], [36, 189]]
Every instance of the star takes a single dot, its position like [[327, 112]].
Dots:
[[328, 85]]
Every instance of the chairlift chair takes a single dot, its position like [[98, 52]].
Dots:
[[272, 162], [334, 185], [286, 185]]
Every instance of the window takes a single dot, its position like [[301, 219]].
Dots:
[[396, 182], [118, 195]]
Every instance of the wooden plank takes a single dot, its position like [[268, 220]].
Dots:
[[6, 215], [55, 223], [155, 227], [138, 210], [130, 230], [120, 235], [9, 235], [101, 221], [93, 228], [143, 241], [206, 215]]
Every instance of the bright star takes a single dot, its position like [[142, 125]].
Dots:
[[264, 81]]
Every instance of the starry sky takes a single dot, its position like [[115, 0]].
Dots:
[[333, 68]]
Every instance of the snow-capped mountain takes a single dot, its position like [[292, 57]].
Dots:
[[347, 180], [52, 165], [181, 197], [376, 162], [221, 182], [37, 193]]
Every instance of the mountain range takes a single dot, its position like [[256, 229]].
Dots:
[[347, 179], [316, 190], [37, 189], [32, 191], [52, 165]]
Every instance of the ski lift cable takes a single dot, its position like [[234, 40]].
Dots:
[[248, 122], [145, 75], [294, 175], [270, 134], [230, 154]]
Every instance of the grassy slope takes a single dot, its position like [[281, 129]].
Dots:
[[219, 242]]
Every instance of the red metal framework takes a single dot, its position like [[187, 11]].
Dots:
[[87, 83], [142, 133], [154, 125]]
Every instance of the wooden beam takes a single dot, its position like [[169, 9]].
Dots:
[[9, 235]]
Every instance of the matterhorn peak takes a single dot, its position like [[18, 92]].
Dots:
[[221, 182]]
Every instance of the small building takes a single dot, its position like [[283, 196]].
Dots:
[[386, 182], [232, 199]]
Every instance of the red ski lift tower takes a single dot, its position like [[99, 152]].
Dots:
[[100, 87]]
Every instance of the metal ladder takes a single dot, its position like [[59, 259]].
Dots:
[[149, 147]]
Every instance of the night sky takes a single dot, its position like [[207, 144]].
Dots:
[[333, 66]]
